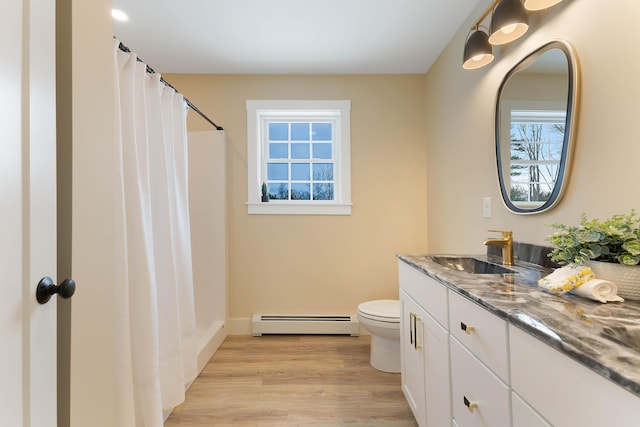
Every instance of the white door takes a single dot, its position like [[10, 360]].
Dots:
[[27, 213]]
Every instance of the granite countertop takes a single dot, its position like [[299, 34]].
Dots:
[[603, 337]]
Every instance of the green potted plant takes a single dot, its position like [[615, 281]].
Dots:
[[610, 247], [265, 192]]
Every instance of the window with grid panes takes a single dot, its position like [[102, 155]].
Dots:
[[299, 150], [537, 138]]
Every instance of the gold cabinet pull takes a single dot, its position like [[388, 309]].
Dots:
[[411, 322], [470, 405], [416, 319], [413, 330], [468, 329]]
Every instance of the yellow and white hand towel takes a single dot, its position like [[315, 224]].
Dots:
[[565, 279]]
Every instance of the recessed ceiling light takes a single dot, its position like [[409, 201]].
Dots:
[[119, 15]]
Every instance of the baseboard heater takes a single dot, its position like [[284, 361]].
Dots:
[[305, 324]]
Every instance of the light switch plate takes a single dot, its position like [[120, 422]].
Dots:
[[486, 207]]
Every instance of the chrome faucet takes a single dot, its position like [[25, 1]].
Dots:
[[505, 242]]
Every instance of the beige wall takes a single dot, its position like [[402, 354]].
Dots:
[[323, 264], [406, 130], [86, 230], [461, 166]]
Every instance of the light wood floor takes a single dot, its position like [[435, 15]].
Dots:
[[285, 380]]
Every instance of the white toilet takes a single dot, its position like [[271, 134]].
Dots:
[[382, 319]]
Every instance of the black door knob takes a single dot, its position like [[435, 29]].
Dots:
[[46, 288]]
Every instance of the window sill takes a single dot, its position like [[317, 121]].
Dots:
[[284, 208]]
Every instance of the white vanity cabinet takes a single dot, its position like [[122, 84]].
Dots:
[[524, 415], [412, 357], [480, 331], [479, 397], [479, 365], [562, 391], [437, 390], [424, 347], [464, 366]]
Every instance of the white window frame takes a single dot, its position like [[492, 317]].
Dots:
[[532, 112], [260, 111]]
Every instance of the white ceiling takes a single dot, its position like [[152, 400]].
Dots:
[[290, 36]]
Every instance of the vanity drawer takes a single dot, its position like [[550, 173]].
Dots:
[[563, 391], [482, 332], [428, 293], [524, 415], [473, 384]]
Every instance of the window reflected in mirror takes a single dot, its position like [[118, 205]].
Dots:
[[535, 118], [536, 151]]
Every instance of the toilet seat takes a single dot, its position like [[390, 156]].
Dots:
[[387, 311]]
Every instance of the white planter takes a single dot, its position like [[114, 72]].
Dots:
[[626, 277]]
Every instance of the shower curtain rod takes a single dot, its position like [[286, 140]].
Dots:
[[151, 71]]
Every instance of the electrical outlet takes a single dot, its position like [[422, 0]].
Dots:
[[486, 207]]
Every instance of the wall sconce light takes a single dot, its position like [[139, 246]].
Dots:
[[539, 4], [478, 52], [509, 21]]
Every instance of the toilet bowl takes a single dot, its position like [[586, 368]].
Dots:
[[382, 319]]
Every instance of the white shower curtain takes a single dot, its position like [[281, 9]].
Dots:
[[156, 333]]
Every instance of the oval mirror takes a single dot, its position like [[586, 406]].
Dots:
[[536, 112]]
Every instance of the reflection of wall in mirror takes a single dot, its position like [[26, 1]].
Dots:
[[536, 87]]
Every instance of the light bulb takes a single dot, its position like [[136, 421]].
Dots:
[[508, 29], [119, 15]]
